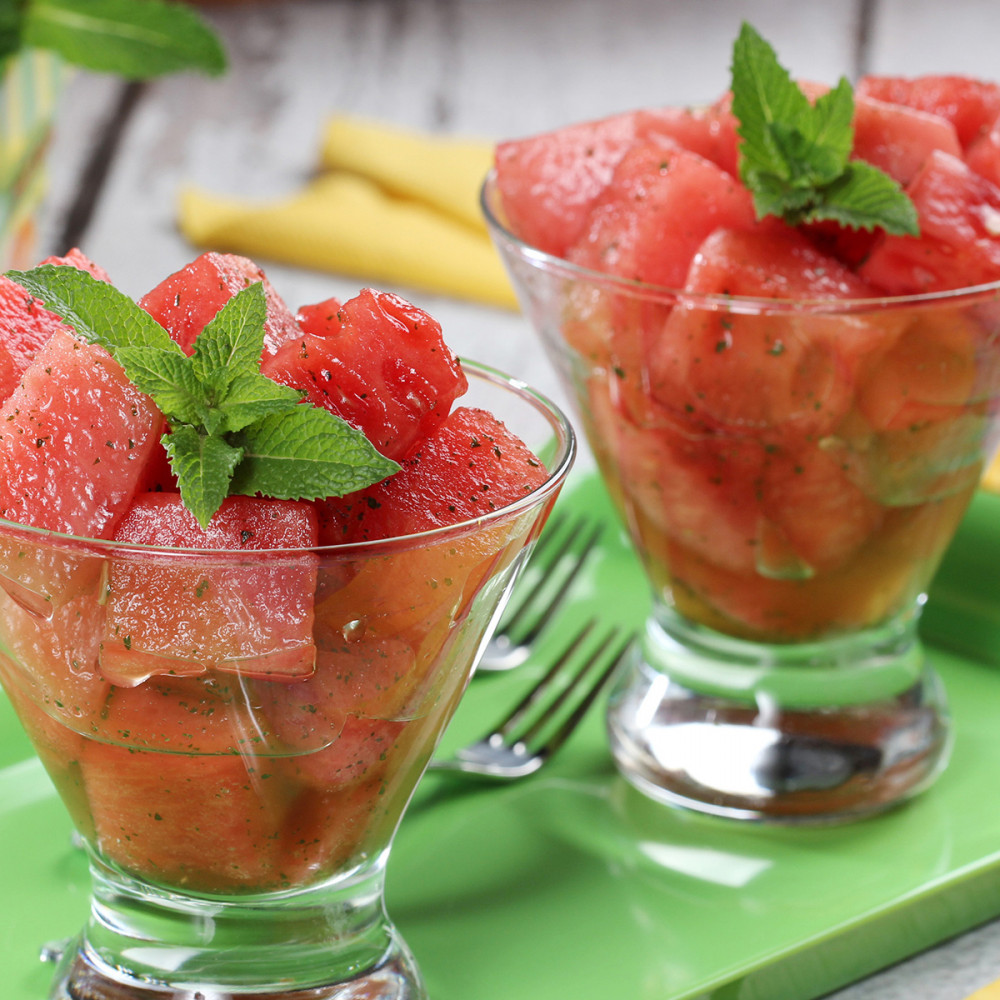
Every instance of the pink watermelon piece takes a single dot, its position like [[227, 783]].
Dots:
[[970, 105], [208, 822], [74, 440], [655, 212], [379, 363], [471, 465], [959, 241], [788, 374], [185, 301], [898, 139], [171, 616], [548, 182], [25, 324], [708, 131]]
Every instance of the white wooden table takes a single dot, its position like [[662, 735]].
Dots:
[[490, 68]]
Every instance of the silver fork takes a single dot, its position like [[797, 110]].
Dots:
[[558, 558], [543, 720]]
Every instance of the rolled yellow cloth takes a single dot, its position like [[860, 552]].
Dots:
[[990, 992], [390, 206], [439, 171], [991, 481]]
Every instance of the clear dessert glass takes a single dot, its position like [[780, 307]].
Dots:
[[790, 474], [237, 815]]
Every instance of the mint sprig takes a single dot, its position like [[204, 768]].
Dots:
[[795, 155], [232, 429], [136, 39]]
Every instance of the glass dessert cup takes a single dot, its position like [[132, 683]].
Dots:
[[238, 810], [790, 474]]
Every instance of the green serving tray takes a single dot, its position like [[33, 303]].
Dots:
[[571, 884]]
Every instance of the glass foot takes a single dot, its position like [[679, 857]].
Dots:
[[331, 941], [750, 756], [393, 978]]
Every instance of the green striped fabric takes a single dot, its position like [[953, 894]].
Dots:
[[30, 83]]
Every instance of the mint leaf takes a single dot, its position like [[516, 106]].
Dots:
[[232, 341], [204, 466], [863, 191], [252, 396], [311, 448], [795, 155], [11, 17], [98, 312], [169, 379], [136, 39], [232, 429]]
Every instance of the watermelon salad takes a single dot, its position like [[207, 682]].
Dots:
[[251, 715], [791, 450]]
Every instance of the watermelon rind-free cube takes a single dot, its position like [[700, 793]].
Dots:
[[247, 609], [75, 436]]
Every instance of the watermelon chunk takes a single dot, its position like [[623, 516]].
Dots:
[[959, 241], [184, 302], [323, 319], [470, 466], [170, 616], [548, 182], [970, 105], [74, 440], [898, 139], [790, 373], [418, 595], [379, 363], [655, 212], [25, 324], [708, 131], [210, 822], [77, 258]]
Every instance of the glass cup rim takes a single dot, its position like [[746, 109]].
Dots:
[[746, 304], [562, 462]]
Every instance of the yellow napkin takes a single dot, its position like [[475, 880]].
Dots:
[[990, 992], [991, 481], [389, 206]]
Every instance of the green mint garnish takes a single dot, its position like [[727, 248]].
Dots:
[[137, 39], [795, 155], [232, 429]]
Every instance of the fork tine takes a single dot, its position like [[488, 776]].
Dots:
[[506, 753], [528, 601], [581, 680], [520, 710], [557, 738]]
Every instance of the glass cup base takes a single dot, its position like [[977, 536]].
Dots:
[[84, 978], [757, 751], [331, 941]]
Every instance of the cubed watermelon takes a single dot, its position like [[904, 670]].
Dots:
[[970, 105], [209, 823], [471, 465], [185, 616], [379, 363], [189, 298], [25, 325], [898, 139], [656, 210], [548, 182], [74, 440], [790, 372], [959, 241], [708, 131]]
